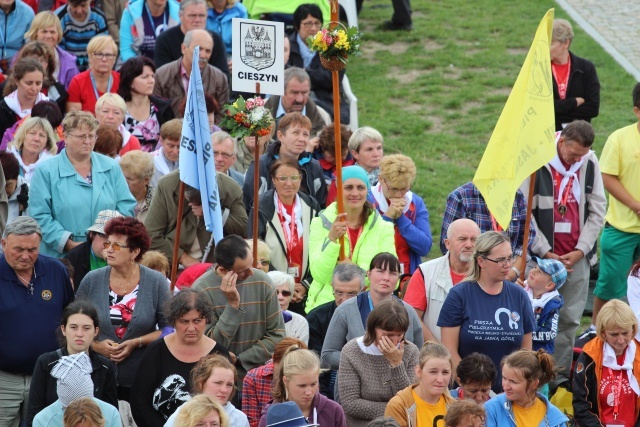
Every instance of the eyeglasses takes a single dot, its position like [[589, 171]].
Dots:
[[504, 261], [115, 246], [264, 262], [396, 190], [224, 155], [284, 293], [193, 16], [100, 55], [293, 178], [91, 137], [310, 24], [345, 294]]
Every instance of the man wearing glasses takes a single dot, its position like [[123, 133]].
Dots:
[[224, 155], [193, 16], [347, 283]]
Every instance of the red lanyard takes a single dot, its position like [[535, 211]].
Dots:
[[494, 224], [352, 242], [562, 202], [562, 86], [290, 235], [616, 394]]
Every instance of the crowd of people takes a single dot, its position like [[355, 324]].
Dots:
[[338, 322]]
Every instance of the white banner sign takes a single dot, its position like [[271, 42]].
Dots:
[[258, 56]]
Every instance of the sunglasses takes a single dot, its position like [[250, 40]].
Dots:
[[284, 293], [115, 246]]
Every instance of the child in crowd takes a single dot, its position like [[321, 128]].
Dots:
[[542, 286], [465, 413], [475, 374], [426, 402]]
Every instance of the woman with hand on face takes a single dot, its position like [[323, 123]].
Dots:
[[145, 114], [349, 319], [22, 91], [297, 380], [295, 325], [424, 403], [87, 87], [215, 377], [70, 189], [79, 326], [486, 297], [163, 380], [46, 28], [284, 218], [605, 380], [523, 373], [129, 299], [365, 234], [33, 143], [375, 367]]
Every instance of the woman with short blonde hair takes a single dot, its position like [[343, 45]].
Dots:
[[110, 111], [137, 167], [46, 28], [34, 142], [87, 87], [85, 412], [199, 410]]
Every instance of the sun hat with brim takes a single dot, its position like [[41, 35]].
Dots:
[[101, 220], [286, 414]]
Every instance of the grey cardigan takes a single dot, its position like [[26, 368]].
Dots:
[[346, 324], [147, 313]]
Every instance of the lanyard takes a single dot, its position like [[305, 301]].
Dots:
[[95, 88], [291, 235], [352, 242], [151, 21], [562, 86], [564, 197], [616, 394], [494, 224]]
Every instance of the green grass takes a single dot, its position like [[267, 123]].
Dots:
[[436, 93]]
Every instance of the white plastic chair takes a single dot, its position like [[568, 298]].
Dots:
[[349, 7], [352, 101]]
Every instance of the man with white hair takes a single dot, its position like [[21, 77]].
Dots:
[[172, 79], [34, 290], [225, 151], [432, 280]]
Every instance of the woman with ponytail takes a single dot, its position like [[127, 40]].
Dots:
[[605, 380], [426, 402], [523, 372], [296, 379]]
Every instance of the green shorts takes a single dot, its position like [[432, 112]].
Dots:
[[618, 251]]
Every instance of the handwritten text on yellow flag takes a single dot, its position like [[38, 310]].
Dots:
[[523, 139]]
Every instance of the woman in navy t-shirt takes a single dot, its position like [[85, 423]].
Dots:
[[485, 313]]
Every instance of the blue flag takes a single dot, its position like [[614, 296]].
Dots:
[[197, 168]]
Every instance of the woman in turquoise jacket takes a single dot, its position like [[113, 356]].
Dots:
[[523, 372], [132, 27], [219, 17], [68, 190], [365, 233]]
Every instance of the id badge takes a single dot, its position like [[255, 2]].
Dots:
[[562, 227], [293, 270]]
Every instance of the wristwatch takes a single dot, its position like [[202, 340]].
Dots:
[[516, 271]]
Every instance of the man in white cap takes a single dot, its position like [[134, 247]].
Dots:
[[88, 256], [74, 382]]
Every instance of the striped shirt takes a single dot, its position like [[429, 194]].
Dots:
[[76, 35]]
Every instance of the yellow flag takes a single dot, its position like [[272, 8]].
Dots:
[[523, 139]]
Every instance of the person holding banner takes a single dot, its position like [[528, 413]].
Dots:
[[194, 238], [568, 207], [466, 201], [365, 234], [284, 220]]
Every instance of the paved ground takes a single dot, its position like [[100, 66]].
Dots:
[[613, 24]]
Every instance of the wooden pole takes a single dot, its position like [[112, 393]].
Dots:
[[527, 223], [256, 191], [335, 77], [176, 241]]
